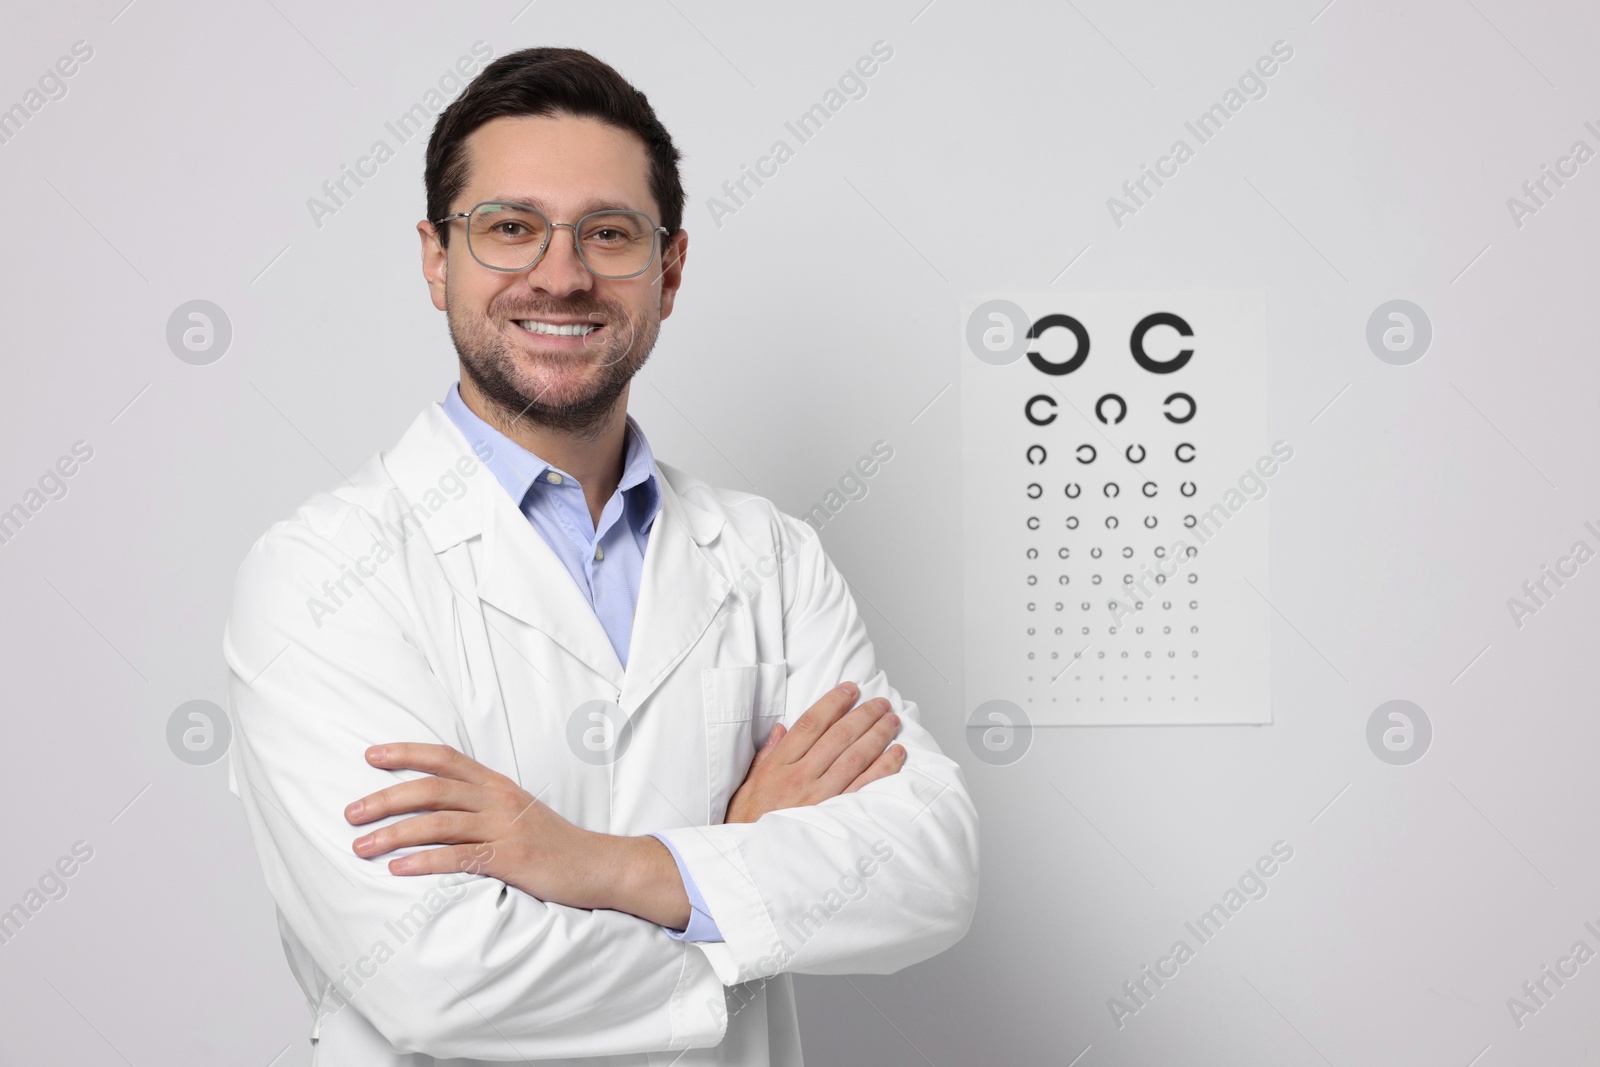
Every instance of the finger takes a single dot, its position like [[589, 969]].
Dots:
[[816, 720], [434, 759], [893, 758], [859, 755], [420, 794], [769, 746], [452, 859], [435, 828], [846, 732]]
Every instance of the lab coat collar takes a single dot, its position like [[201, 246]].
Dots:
[[680, 590]]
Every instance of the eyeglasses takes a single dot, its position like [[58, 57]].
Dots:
[[513, 237]]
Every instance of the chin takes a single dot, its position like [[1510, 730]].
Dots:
[[563, 388]]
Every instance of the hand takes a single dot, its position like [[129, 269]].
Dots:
[[830, 750], [489, 825]]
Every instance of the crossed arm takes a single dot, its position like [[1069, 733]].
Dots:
[[835, 747], [448, 965]]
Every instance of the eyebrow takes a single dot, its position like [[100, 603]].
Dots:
[[585, 208]]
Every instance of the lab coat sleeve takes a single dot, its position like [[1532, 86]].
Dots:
[[866, 882], [449, 966], [701, 927]]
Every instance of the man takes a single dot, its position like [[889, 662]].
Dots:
[[551, 751]]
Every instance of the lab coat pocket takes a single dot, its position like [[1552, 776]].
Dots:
[[741, 706]]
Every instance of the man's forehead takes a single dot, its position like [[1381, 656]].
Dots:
[[581, 207], [538, 159]]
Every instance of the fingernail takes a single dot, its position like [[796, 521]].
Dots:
[[892, 719], [847, 688], [376, 753], [363, 843], [353, 811]]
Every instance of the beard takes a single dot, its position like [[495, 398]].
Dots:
[[547, 387]]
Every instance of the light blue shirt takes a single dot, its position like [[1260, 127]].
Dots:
[[607, 561]]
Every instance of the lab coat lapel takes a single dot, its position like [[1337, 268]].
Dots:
[[519, 573], [523, 577], [680, 591]]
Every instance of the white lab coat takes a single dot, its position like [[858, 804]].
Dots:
[[466, 630]]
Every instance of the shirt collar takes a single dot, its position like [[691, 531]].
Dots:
[[518, 470]]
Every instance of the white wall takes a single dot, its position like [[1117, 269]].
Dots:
[[820, 317]]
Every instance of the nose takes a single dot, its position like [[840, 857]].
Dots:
[[560, 271]]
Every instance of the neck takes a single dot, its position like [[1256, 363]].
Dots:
[[595, 457]]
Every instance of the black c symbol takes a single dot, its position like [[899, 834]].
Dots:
[[1178, 452], [1122, 408], [1035, 490], [1092, 453], [1070, 323], [1042, 454], [1149, 489], [1180, 396], [1148, 323], [1027, 409]]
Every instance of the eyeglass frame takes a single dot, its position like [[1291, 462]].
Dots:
[[552, 227]]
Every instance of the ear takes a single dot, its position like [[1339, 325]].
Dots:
[[434, 262], [673, 254]]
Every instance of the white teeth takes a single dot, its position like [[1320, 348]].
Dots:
[[577, 329]]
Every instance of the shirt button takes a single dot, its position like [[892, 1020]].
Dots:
[[599, 553], [552, 477]]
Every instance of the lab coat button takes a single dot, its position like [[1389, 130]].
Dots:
[[552, 477]]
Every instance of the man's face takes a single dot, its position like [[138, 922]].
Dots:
[[566, 166]]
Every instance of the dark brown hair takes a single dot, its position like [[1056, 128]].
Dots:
[[548, 81]]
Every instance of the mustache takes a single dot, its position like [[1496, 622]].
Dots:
[[584, 309]]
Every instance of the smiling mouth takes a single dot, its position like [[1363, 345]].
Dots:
[[548, 329]]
